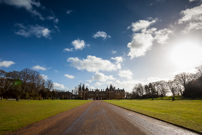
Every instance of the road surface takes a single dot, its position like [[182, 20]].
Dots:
[[101, 118]]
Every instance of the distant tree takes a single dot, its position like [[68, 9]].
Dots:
[[147, 91], [139, 90], [194, 89], [49, 84], [161, 88], [152, 90], [199, 68], [173, 88], [182, 79]]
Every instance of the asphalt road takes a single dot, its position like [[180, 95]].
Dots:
[[100, 118]]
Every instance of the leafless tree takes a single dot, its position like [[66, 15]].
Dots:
[[161, 88], [139, 89], [49, 84], [173, 88], [152, 90], [182, 79], [199, 68], [147, 91]]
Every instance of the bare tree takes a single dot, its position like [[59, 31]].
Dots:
[[182, 79], [161, 88], [152, 90], [173, 88], [147, 91], [199, 68], [49, 84], [139, 89]]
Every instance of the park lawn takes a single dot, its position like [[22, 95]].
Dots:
[[15, 115], [186, 113]]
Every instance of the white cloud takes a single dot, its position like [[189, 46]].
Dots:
[[45, 77], [113, 52], [127, 85], [78, 44], [139, 46], [192, 18], [37, 67], [6, 63], [93, 64], [117, 59], [69, 76], [155, 79], [143, 41], [126, 74], [192, 0], [68, 50], [162, 35], [101, 34], [68, 11], [60, 86], [27, 4], [31, 30], [141, 25], [102, 77]]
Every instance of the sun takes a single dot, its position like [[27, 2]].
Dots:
[[186, 54]]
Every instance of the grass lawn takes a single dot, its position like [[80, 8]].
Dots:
[[14, 115], [186, 113]]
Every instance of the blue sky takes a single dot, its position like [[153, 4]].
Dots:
[[101, 42]]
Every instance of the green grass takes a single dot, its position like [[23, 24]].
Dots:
[[15, 115], [186, 113]]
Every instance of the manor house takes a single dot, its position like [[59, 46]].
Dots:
[[100, 94]]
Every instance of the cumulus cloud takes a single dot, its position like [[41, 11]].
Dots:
[[60, 86], [102, 77], [93, 64], [36, 30], [68, 11], [37, 67], [143, 40], [141, 25], [68, 50], [125, 74], [45, 77], [26, 4], [78, 44], [162, 35], [69, 76], [117, 59], [101, 34], [6, 63], [192, 18]]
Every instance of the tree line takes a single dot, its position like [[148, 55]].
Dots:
[[28, 84], [188, 85]]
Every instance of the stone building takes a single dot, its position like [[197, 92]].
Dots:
[[100, 94]]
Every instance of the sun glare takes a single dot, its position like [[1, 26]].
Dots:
[[187, 55]]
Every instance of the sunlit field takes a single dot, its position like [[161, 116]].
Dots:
[[14, 115], [186, 113]]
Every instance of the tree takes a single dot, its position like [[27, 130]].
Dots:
[[147, 91], [161, 88], [139, 90], [183, 78], [49, 84], [199, 68], [173, 88], [152, 90]]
